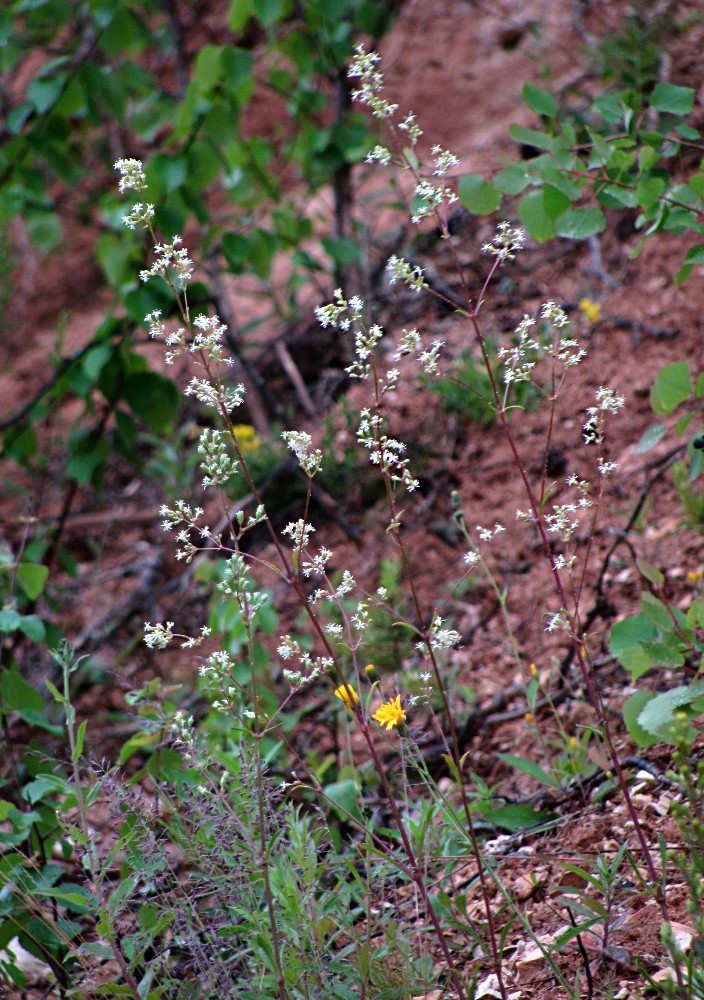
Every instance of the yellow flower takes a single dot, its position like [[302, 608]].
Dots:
[[533, 670], [391, 714], [694, 577], [348, 695], [370, 671], [573, 742], [247, 438], [590, 310], [529, 716]]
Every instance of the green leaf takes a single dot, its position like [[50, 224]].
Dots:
[[239, 13], [169, 171], [672, 385], [44, 91], [653, 608], [513, 179], [696, 182], [695, 255], [632, 709], [80, 737], [32, 576], [649, 190], [154, 398], [531, 137], [17, 694], [539, 100], [579, 223], [665, 652], [650, 438], [695, 615], [531, 212], [660, 710], [653, 574], [671, 99], [344, 794], [44, 230], [478, 196], [44, 785], [530, 768], [555, 201], [630, 633], [9, 620], [518, 817], [343, 250]]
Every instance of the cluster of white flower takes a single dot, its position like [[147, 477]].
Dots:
[[170, 257], [607, 401], [310, 667], [439, 637], [385, 451], [341, 313], [380, 154], [160, 636], [409, 125], [507, 242], [299, 532], [558, 620], [402, 270], [317, 564], [432, 196], [488, 534], [218, 397], [208, 339], [518, 369], [444, 160], [301, 444], [372, 82], [133, 178], [427, 357]]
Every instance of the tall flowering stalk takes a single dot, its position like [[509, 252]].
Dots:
[[519, 360], [202, 338]]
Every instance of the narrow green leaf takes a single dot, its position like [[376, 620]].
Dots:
[[530, 768], [531, 137], [80, 737]]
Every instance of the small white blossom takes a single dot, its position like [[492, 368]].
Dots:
[[507, 242], [300, 444]]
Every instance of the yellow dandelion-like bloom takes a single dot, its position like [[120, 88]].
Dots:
[[573, 741], [348, 695], [247, 438], [529, 716], [391, 714], [694, 577], [370, 671], [590, 310], [533, 670]]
